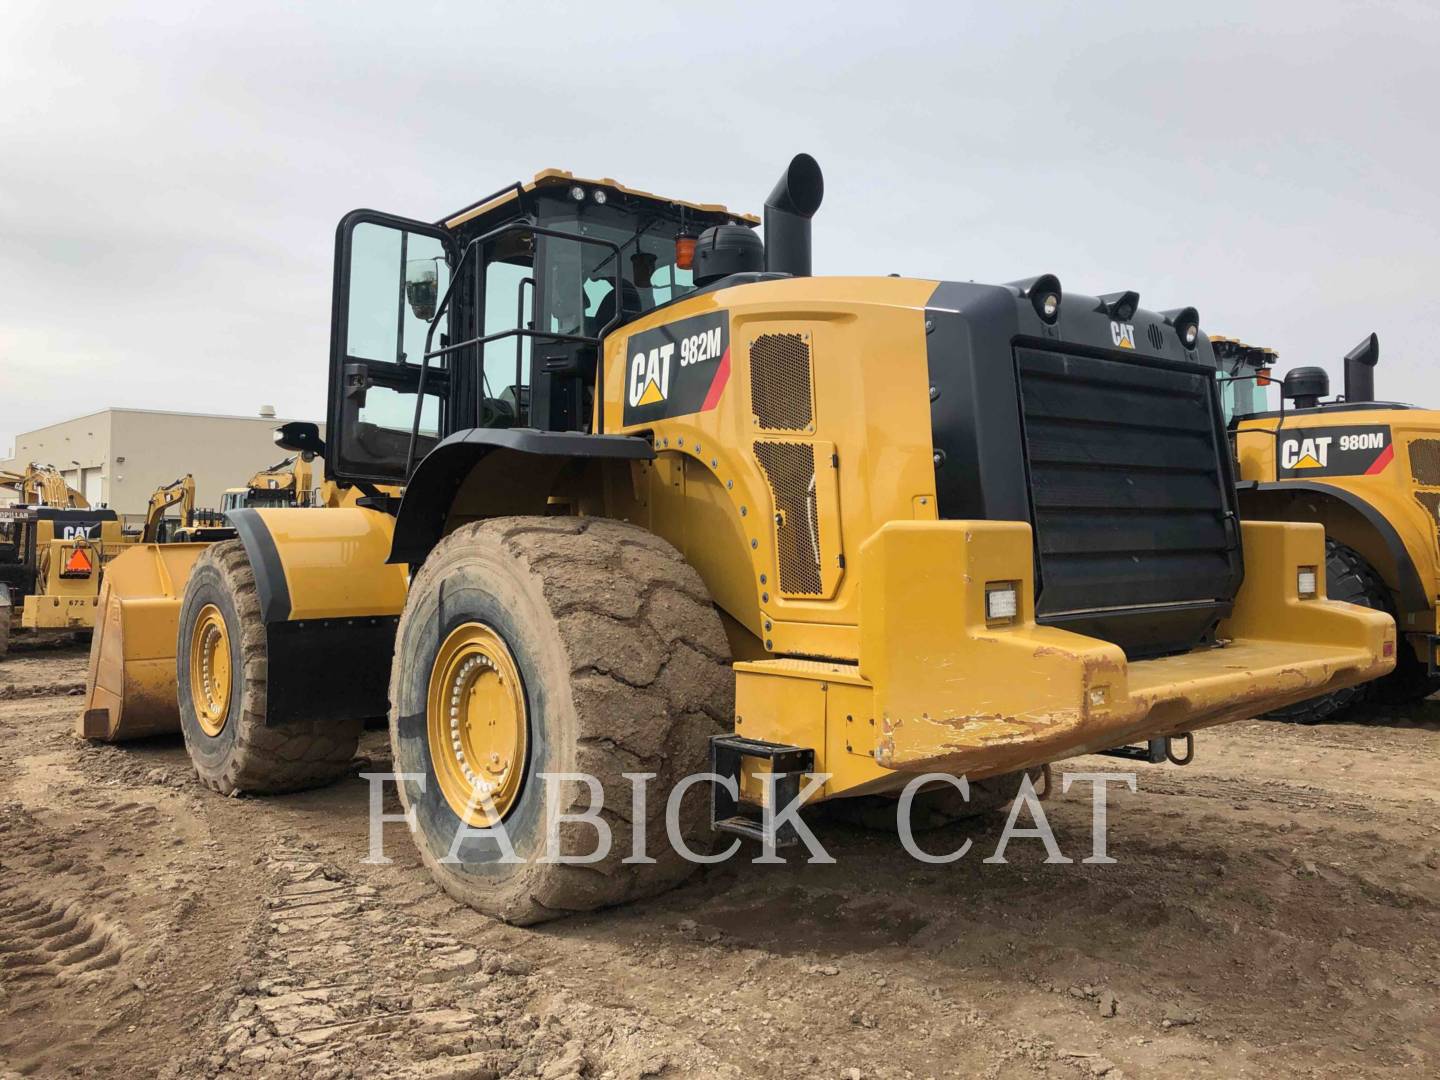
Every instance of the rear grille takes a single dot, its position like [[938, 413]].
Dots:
[[780, 385], [790, 469], [1425, 461], [1135, 536]]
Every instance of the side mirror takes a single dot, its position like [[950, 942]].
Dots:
[[301, 437], [422, 286]]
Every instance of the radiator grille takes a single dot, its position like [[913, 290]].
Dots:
[[1131, 501], [780, 392], [1425, 462], [790, 470]]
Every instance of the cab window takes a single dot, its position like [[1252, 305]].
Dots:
[[579, 279], [1241, 396]]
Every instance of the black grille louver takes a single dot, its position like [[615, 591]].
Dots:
[[1135, 533]]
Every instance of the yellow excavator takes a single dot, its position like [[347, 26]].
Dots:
[[43, 485], [286, 483], [193, 524], [639, 496]]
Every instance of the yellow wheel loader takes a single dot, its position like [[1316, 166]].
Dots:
[[54, 552], [132, 656], [1369, 472], [668, 505]]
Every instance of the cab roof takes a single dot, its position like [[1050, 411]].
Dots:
[[554, 178]]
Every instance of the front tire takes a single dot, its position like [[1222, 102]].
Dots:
[[221, 665], [534, 646]]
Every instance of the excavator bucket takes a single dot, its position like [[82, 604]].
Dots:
[[131, 692]]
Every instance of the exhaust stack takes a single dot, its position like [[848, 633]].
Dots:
[[1360, 370], [788, 211]]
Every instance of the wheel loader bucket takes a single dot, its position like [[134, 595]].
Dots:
[[130, 691]]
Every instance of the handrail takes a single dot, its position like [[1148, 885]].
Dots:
[[519, 331], [520, 341]]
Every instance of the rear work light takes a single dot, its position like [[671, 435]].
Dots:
[[1002, 602], [1307, 582]]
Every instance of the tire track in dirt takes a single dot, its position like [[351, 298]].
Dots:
[[341, 982]]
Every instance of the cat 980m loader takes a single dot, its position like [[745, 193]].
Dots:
[[641, 495], [1369, 472]]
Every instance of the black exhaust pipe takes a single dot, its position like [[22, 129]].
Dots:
[[788, 211], [1360, 370]]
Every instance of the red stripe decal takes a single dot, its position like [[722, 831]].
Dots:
[[1378, 465], [717, 384]]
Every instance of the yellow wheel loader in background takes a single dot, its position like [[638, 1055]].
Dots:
[[54, 551], [132, 657], [671, 504], [1369, 472]]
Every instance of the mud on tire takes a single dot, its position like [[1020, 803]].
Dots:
[[625, 669], [245, 755]]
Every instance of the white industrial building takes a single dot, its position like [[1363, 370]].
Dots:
[[118, 457]]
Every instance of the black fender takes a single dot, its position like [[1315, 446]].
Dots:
[[518, 466], [307, 653], [1413, 597]]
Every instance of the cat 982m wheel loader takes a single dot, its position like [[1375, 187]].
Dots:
[[1369, 472], [671, 505]]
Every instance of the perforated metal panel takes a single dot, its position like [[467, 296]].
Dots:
[[1425, 461], [781, 396], [790, 469]]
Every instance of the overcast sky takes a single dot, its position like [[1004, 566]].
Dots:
[[171, 173]]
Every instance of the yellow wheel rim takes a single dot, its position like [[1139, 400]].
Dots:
[[476, 723], [210, 670]]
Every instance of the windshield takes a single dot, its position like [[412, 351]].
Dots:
[[578, 290]]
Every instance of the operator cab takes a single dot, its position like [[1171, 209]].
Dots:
[[493, 317]]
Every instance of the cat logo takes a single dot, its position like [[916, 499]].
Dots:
[[1305, 453], [650, 375], [677, 369], [1123, 334]]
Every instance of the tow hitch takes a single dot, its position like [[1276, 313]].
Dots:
[[1157, 751]]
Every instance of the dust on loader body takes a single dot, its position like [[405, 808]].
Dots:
[[670, 501]]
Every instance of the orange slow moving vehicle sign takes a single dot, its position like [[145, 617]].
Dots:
[[79, 564]]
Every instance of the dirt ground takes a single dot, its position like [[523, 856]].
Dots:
[[1274, 910]]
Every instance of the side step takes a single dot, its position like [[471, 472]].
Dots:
[[736, 815], [1156, 751]]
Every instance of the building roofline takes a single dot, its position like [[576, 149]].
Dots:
[[149, 412]]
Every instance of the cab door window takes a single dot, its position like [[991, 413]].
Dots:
[[391, 275]]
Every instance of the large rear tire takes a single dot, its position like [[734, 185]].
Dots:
[[1350, 578], [4, 623], [534, 646], [221, 666]]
